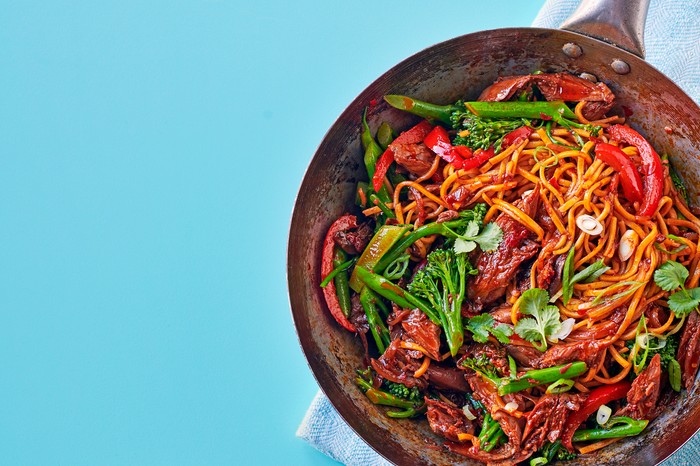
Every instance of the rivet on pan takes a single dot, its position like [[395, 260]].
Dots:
[[590, 77], [619, 66], [572, 50]]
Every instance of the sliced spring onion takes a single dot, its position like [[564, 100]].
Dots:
[[511, 406], [643, 341], [468, 412], [560, 386], [566, 327], [628, 244], [589, 225], [539, 461], [603, 415]]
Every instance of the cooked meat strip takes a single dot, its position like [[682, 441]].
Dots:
[[447, 421], [398, 365], [422, 331], [498, 268], [644, 393], [689, 350]]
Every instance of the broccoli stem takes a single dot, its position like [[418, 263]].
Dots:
[[404, 243], [376, 200], [380, 397], [376, 325], [422, 109], [621, 426], [394, 293], [537, 377]]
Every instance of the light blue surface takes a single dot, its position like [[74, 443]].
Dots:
[[150, 153]]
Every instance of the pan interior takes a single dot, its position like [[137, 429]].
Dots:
[[460, 69]]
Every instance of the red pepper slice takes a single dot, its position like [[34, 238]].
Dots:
[[621, 162], [412, 136], [480, 156], [517, 136], [598, 397], [345, 222], [464, 151], [652, 169], [439, 142]]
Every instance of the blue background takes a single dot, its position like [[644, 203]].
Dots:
[[150, 153]]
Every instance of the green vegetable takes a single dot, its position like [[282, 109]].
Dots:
[[483, 325], [545, 319], [336, 270], [654, 346], [411, 408], [372, 154], [342, 290], [481, 133], [376, 325], [398, 268], [376, 200], [385, 135], [401, 391], [491, 433], [560, 386], [395, 293], [529, 379], [451, 230], [442, 113], [674, 375], [551, 452], [616, 427], [442, 282], [382, 242], [672, 275], [675, 251], [488, 240], [677, 181], [569, 279]]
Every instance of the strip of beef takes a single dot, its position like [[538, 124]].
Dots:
[[589, 351], [354, 240], [416, 158], [600, 331], [546, 420], [498, 268], [447, 378], [399, 364], [525, 356], [447, 421], [485, 392], [689, 350], [422, 331], [555, 86], [644, 393], [549, 277]]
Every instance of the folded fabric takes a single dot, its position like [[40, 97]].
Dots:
[[672, 38]]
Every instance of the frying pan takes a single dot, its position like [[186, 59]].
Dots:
[[603, 38]]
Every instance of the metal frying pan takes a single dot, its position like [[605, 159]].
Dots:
[[603, 38]]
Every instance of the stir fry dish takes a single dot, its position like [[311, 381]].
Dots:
[[522, 271]]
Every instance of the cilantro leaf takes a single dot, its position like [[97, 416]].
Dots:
[[483, 325], [671, 275], [545, 319], [471, 230], [683, 302], [490, 237], [463, 246]]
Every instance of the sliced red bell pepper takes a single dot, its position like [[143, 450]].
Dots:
[[516, 136], [622, 163], [652, 169], [439, 142], [596, 398], [412, 136], [345, 222], [479, 158]]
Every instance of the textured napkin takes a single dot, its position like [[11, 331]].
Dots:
[[672, 39]]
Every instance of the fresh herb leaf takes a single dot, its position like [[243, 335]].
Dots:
[[683, 302], [545, 319], [483, 325], [671, 275], [488, 240]]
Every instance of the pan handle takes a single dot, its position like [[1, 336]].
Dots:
[[618, 22]]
